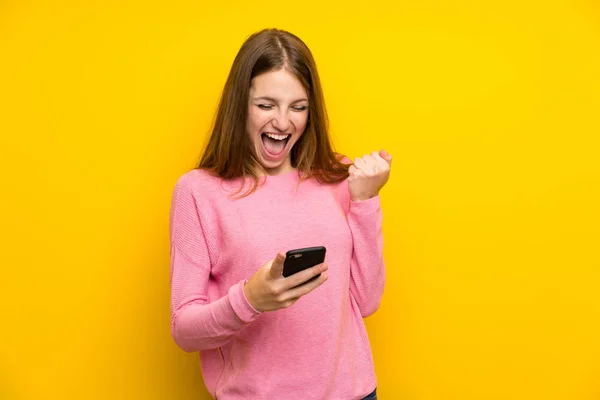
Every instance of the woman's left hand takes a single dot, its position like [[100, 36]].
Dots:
[[368, 174]]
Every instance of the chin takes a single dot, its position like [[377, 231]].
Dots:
[[269, 165]]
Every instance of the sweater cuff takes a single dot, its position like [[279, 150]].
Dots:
[[240, 304], [365, 206]]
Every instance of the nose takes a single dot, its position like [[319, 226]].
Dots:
[[281, 122]]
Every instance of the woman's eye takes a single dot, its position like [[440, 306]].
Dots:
[[301, 108], [265, 106]]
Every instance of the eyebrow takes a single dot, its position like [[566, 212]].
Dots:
[[275, 101]]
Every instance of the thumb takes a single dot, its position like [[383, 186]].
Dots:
[[277, 265], [386, 156]]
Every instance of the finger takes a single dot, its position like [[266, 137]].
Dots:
[[276, 269], [386, 156], [290, 302], [301, 277], [383, 164], [369, 159], [371, 164], [296, 292], [359, 163], [352, 170]]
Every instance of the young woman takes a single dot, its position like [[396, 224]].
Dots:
[[269, 182]]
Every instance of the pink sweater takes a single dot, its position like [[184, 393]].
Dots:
[[316, 349]]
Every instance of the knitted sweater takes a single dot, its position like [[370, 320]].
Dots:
[[318, 348]]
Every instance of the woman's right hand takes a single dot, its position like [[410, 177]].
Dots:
[[269, 290]]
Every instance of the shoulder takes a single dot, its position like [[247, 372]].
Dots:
[[197, 179], [197, 183], [340, 189]]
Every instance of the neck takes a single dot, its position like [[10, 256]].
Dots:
[[280, 170]]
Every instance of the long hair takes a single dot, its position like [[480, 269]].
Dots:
[[229, 153]]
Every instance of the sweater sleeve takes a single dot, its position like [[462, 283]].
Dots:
[[367, 267], [197, 323]]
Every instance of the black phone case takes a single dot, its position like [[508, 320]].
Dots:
[[300, 259]]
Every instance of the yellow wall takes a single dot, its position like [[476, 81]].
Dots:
[[491, 110]]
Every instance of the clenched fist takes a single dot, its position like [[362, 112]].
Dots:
[[368, 174]]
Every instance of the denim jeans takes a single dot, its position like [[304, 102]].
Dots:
[[372, 395]]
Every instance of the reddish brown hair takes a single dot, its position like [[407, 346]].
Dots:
[[229, 153]]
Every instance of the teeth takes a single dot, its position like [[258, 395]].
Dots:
[[276, 137]]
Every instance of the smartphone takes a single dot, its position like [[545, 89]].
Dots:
[[299, 259]]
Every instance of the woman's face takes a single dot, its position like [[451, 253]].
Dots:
[[277, 115]]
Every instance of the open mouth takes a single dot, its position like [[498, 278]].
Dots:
[[274, 144]]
